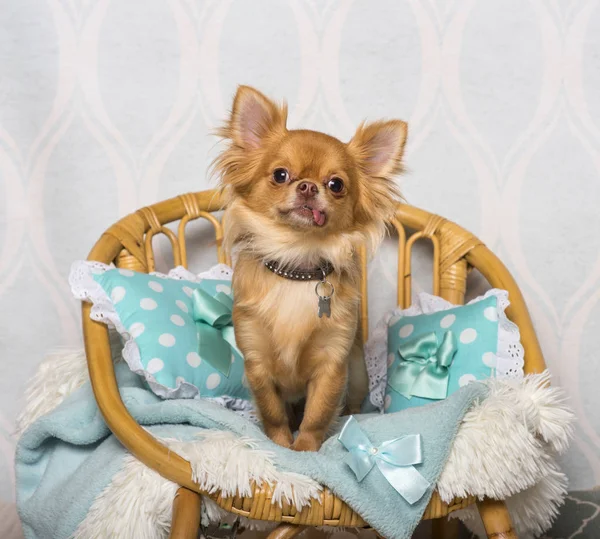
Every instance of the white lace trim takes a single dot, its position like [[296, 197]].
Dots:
[[220, 272], [84, 287], [509, 357], [242, 407]]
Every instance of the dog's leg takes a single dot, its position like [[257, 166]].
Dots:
[[254, 344], [271, 407], [323, 401]]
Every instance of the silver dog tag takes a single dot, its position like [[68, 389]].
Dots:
[[324, 301], [324, 307]]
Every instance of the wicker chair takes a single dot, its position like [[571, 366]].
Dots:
[[128, 243]]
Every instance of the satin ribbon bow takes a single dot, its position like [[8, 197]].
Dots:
[[212, 315], [423, 369], [394, 458]]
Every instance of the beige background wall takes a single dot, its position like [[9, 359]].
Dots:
[[106, 106]]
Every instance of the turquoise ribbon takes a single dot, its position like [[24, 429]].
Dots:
[[394, 458], [212, 315], [423, 370]]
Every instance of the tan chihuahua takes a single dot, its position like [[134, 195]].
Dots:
[[299, 205]]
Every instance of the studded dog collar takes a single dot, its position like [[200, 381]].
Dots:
[[317, 274]]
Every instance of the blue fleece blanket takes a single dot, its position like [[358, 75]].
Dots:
[[66, 458]]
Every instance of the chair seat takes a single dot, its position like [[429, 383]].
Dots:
[[327, 510]]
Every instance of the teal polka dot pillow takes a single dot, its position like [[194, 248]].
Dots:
[[177, 333], [424, 353]]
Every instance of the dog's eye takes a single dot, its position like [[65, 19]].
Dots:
[[280, 175], [335, 185]]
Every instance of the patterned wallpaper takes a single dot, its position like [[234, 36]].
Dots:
[[106, 106]]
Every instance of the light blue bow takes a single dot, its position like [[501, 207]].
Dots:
[[394, 458], [216, 338], [424, 365]]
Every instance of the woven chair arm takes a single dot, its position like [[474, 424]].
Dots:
[[468, 247], [498, 276], [104, 384]]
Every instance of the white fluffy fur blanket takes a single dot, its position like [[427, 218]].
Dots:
[[506, 448]]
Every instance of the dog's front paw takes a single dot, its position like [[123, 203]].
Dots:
[[281, 436], [306, 442]]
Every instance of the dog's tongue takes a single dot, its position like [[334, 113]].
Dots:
[[318, 217]]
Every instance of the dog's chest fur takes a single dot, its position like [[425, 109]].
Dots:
[[286, 313], [291, 309]]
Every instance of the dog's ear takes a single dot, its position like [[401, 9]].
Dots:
[[254, 117], [378, 147]]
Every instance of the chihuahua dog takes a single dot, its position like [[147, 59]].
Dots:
[[299, 205]]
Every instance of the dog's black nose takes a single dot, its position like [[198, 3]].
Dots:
[[308, 189]]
